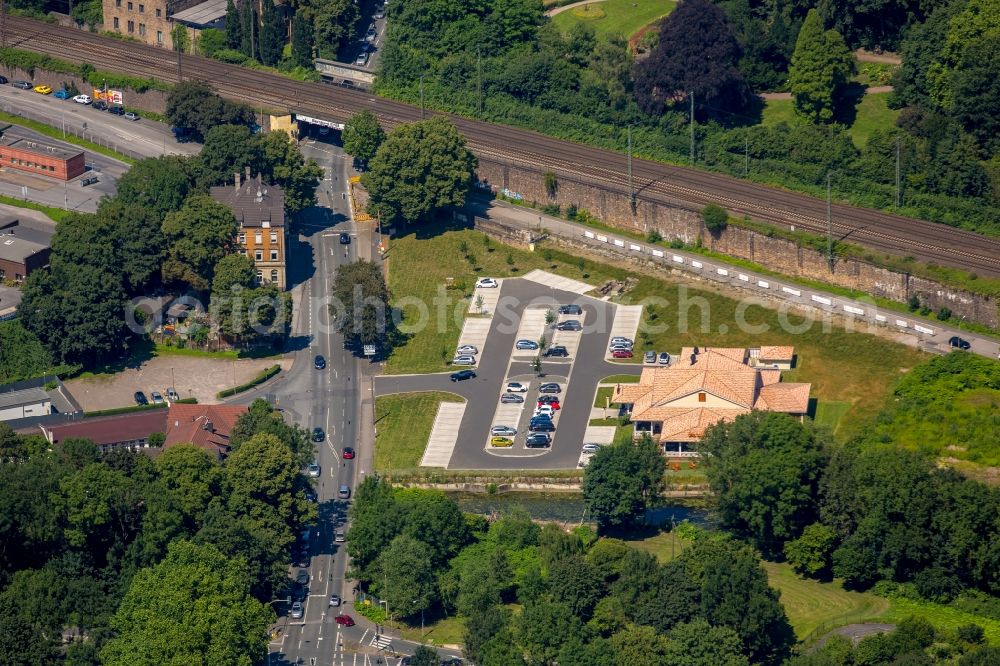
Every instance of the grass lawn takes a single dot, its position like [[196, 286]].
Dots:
[[621, 379], [830, 413], [419, 265], [403, 424], [444, 631], [872, 114], [622, 17], [815, 606], [603, 395], [779, 111], [665, 545], [942, 617]]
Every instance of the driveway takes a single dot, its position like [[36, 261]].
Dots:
[[579, 376], [192, 376]]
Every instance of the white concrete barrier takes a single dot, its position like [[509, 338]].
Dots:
[[603, 239], [793, 292], [853, 310], [880, 318], [677, 259], [634, 247], [745, 278], [588, 234], [901, 323], [763, 284], [696, 264], [722, 271], [821, 299], [657, 253], [923, 329], [619, 243]]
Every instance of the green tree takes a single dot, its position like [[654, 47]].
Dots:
[[576, 583], [272, 34], [263, 478], [698, 643], [138, 242], [248, 29], [975, 83], [281, 163], [541, 629], [424, 656], [419, 169], [621, 481], [156, 184], [375, 520], [227, 150], [102, 509], [482, 624], [810, 554], [261, 418], [194, 107], [197, 236], [191, 478], [233, 270], [20, 643], [764, 469], [211, 41], [639, 646], [302, 40], [89, 13], [234, 32], [715, 218], [333, 23], [362, 136], [193, 608], [821, 67], [361, 305], [22, 355], [404, 576]]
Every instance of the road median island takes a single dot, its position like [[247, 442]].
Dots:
[[256, 381]]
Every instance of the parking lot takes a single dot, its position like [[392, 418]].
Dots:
[[520, 311]]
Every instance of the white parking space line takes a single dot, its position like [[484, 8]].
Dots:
[[475, 331], [626, 322], [490, 297], [558, 282], [531, 328], [444, 434]]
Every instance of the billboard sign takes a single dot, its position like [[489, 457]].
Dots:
[[110, 96]]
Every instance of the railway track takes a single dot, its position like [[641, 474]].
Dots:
[[654, 181]]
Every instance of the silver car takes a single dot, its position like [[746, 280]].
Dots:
[[503, 431], [530, 345], [464, 360], [466, 350], [297, 610], [592, 448]]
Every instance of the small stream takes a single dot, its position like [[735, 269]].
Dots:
[[567, 507]]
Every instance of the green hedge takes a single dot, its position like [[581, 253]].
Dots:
[[29, 62], [124, 410], [259, 379]]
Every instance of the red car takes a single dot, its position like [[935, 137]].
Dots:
[[345, 620], [621, 353], [553, 403], [348, 453]]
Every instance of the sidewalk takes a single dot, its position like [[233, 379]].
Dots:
[[929, 336]]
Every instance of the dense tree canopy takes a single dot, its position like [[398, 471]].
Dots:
[[621, 481], [192, 106], [821, 66], [361, 305], [197, 236], [362, 136]]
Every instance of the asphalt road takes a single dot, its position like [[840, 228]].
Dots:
[[496, 368], [657, 183]]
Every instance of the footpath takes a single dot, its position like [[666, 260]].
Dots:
[[930, 336]]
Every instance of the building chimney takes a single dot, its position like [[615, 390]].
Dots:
[[236, 180], [246, 170]]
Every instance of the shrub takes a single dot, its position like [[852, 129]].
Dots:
[[715, 218]]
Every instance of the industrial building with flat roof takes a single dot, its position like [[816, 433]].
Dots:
[[41, 158], [21, 250]]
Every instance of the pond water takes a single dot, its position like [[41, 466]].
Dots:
[[567, 507]]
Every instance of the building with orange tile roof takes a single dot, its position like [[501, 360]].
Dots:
[[206, 426], [677, 403]]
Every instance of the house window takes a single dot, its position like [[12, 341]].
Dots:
[[131, 26], [142, 29], [243, 239], [274, 255], [118, 3], [142, 9], [158, 12], [258, 255], [258, 238], [116, 24], [260, 277], [3, 273], [274, 238], [274, 276], [130, 6], [701, 397], [159, 34]]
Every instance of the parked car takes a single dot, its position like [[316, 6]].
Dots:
[[302, 577], [959, 343], [318, 435], [362, 58], [550, 400], [344, 492], [116, 110], [462, 375], [88, 180], [621, 353], [511, 399], [550, 387], [463, 360], [101, 105], [319, 362], [571, 309], [371, 34], [516, 387], [664, 358], [348, 453], [542, 425], [649, 357], [466, 350], [380, 14], [557, 351], [43, 90], [3, 80], [529, 345], [569, 325], [83, 99], [23, 85], [501, 441], [592, 448], [300, 558], [172, 395], [620, 340], [538, 440], [314, 470], [339, 536], [503, 431], [62, 93], [620, 347], [157, 398], [131, 115], [297, 610], [335, 600], [487, 283], [140, 398], [545, 410], [345, 238], [344, 620]]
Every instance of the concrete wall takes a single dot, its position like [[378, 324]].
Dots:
[[151, 100], [683, 222]]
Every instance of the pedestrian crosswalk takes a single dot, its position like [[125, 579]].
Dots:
[[381, 642]]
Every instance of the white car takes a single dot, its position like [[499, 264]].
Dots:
[[297, 610], [82, 99], [545, 410], [466, 350], [487, 283], [503, 431], [516, 387], [592, 448], [463, 360], [620, 340], [313, 470]]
